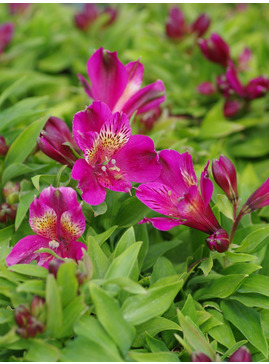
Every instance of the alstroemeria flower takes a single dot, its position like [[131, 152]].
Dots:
[[118, 85], [259, 199], [112, 156], [6, 34], [176, 194], [57, 219]]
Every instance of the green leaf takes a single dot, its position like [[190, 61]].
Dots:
[[126, 240], [10, 90], [206, 265], [101, 238], [222, 333], [154, 344], [71, 314], [154, 357], [15, 170], [162, 268], [189, 309], [225, 206], [247, 320], [252, 300], [34, 286], [255, 284], [157, 250], [141, 308], [23, 207], [54, 307], [221, 287], [126, 284], [89, 328], [123, 265], [194, 336], [115, 325], [131, 211], [99, 209], [40, 350], [29, 270], [153, 327], [24, 110], [243, 268], [25, 142], [98, 258], [239, 257], [253, 241], [67, 282]]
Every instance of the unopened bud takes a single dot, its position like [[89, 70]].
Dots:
[[200, 357], [54, 266], [241, 355], [200, 25], [37, 306], [218, 241], [81, 278], [21, 315], [34, 326], [224, 174], [215, 49], [11, 192], [3, 147], [7, 212], [259, 199]]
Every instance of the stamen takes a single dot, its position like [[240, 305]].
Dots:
[[103, 168], [113, 161], [53, 244]]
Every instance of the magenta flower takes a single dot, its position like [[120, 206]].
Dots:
[[6, 34], [241, 355], [176, 194], [176, 27], [259, 199], [17, 8], [52, 142], [215, 49], [112, 156], [118, 85], [206, 88], [175, 24], [85, 18], [200, 25], [224, 174], [57, 219]]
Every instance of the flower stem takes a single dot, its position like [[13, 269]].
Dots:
[[235, 225]]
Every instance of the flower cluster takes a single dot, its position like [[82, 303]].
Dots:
[[90, 12], [237, 96], [176, 27]]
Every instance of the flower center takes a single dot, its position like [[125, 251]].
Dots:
[[53, 244]]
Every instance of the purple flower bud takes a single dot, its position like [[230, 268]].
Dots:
[[6, 34], [200, 25], [37, 306], [241, 355], [7, 212], [3, 147], [34, 326], [200, 357], [215, 49], [54, 265], [232, 107], [175, 24], [259, 199], [21, 314], [257, 87], [86, 17], [112, 12], [218, 241], [81, 278], [206, 88], [149, 118], [224, 174], [51, 142], [17, 8], [11, 192], [243, 59]]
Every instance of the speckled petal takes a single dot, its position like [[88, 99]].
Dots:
[[72, 224], [43, 219]]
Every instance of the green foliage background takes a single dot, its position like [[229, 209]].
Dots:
[[151, 295]]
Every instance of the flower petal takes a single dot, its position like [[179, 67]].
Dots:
[[24, 250], [92, 192], [139, 159], [145, 99], [135, 72], [90, 120], [206, 185], [233, 79], [86, 86], [159, 198], [59, 199], [43, 219], [74, 250], [162, 223], [72, 224], [108, 77], [114, 179]]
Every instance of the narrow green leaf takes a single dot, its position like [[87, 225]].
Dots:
[[40, 350], [154, 357], [25, 142], [155, 345], [54, 307], [29, 270], [222, 333], [256, 284], [33, 286], [252, 300], [71, 314], [67, 282], [98, 258], [115, 325], [123, 265], [253, 241], [23, 207], [10, 90], [141, 308], [194, 336], [126, 240], [101, 238], [162, 268], [127, 284], [225, 206], [247, 320], [131, 211], [206, 265]]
